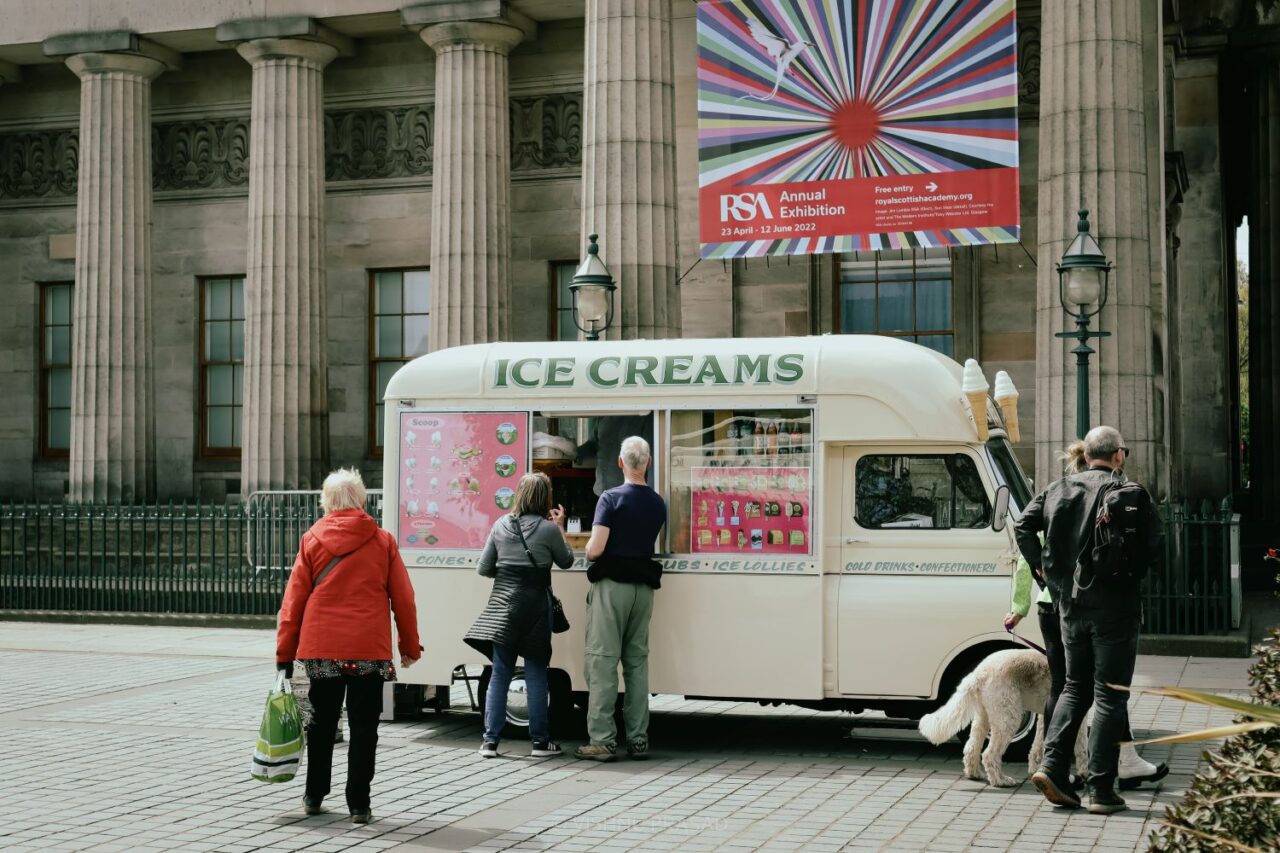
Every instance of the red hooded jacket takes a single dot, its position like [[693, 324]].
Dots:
[[345, 618]]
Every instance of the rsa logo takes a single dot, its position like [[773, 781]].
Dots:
[[744, 207]]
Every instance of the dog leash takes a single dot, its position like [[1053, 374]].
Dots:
[[1027, 642]]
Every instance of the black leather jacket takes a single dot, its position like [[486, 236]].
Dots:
[[1064, 513]]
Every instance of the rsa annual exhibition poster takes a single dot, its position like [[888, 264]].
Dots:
[[844, 125]]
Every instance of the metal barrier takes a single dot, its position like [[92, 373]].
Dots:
[[1192, 590], [227, 559], [174, 558]]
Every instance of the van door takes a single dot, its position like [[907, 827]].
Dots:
[[923, 574]]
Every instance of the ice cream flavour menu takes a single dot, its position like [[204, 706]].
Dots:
[[745, 510], [458, 473]]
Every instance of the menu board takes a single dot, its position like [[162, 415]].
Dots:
[[458, 473], [744, 510]]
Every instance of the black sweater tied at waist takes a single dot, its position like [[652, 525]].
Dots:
[[643, 570]]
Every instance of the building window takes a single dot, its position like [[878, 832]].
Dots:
[[399, 330], [562, 325], [221, 365], [906, 294], [55, 369]]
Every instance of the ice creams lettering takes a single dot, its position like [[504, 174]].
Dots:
[[1007, 400], [975, 388]]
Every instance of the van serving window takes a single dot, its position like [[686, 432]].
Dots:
[[928, 491], [741, 481]]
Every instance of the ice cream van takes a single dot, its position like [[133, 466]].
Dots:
[[839, 507]]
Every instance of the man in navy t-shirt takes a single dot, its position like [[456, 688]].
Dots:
[[623, 576]]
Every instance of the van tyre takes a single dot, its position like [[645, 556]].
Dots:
[[567, 720]]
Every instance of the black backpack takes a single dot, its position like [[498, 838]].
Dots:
[[1116, 547]]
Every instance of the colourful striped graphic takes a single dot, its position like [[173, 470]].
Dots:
[[836, 125]]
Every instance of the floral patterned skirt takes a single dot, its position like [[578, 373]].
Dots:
[[323, 668]]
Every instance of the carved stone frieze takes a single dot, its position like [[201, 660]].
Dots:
[[386, 142], [378, 143], [39, 164], [546, 132], [200, 155], [1029, 69]]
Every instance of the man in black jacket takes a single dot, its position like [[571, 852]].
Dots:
[[1099, 623]]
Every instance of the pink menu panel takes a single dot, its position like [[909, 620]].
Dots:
[[745, 510], [458, 473]]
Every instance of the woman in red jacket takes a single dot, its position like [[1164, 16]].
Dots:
[[334, 621]]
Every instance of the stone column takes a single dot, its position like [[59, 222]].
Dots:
[[629, 160], [286, 422], [112, 396], [471, 169], [1094, 154]]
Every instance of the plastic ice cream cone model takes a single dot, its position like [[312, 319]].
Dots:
[[1007, 400], [975, 387]]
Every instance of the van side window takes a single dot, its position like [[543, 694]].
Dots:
[[741, 482], [930, 491]]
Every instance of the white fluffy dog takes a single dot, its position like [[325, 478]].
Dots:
[[994, 697]]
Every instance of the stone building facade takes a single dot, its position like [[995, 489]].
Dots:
[[386, 177]]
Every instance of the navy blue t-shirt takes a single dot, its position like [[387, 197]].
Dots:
[[634, 515]]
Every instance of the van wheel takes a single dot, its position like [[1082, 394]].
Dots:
[[565, 719], [517, 703], [1020, 747]]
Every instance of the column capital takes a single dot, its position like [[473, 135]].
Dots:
[[9, 73], [118, 50], [442, 23], [293, 37]]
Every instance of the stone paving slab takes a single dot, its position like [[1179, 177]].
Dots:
[[138, 738]]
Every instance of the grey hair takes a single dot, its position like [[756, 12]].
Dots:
[[533, 495], [1102, 442], [634, 453], [343, 489]]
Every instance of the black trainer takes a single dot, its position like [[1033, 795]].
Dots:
[[1105, 801], [311, 807], [1056, 791], [361, 816]]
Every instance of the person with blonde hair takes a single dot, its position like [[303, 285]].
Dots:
[[334, 620], [516, 621]]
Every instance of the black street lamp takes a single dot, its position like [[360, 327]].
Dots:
[[592, 289], [1083, 278]]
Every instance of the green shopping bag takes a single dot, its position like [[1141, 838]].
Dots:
[[280, 737]]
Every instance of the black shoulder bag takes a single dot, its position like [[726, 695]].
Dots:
[[559, 622]]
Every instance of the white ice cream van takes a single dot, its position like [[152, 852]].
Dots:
[[838, 532]]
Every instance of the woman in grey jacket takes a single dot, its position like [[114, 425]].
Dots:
[[517, 620]]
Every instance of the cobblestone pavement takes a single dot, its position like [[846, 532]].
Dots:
[[132, 738]]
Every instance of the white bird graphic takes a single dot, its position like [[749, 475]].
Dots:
[[782, 51]]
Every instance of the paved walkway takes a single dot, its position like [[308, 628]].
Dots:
[[130, 738]]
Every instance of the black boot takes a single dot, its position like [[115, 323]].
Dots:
[[1056, 790], [1105, 801]]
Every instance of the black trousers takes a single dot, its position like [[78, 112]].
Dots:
[[364, 705], [1051, 630], [1101, 649]]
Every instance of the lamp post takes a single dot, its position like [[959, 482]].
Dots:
[[592, 290], [1083, 277]]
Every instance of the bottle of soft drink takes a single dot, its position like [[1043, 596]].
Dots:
[[771, 438]]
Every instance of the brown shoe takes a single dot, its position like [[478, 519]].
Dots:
[[1055, 791], [596, 752]]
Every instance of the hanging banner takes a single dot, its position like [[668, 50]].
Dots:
[[843, 125]]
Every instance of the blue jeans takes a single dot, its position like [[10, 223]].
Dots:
[[495, 702]]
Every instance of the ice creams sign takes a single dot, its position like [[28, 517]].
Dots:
[[639, 371]]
